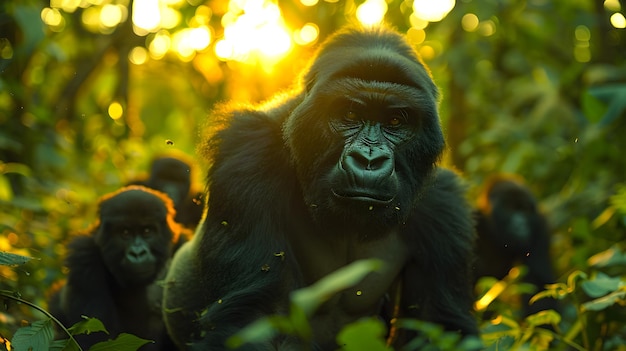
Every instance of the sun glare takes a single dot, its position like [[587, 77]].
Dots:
[[432, 11], [254, 32], [146, 16], [371, 12]]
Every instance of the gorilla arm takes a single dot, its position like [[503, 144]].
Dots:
[[441, 235], [220, 274], [95, 298]]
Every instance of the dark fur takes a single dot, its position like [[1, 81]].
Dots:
[[172, 174], [503, 244], [269, 192], [98, 286]]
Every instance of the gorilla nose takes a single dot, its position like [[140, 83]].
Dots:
[[137, 254], [373, 160]]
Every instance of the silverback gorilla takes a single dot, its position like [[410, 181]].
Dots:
[[112, 269], [344, 169]]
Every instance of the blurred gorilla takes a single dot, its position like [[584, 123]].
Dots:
[[113, 269], [343, 170], [512, 231], [172, 175]]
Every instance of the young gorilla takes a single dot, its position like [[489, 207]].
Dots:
[[343, 170], [112, 270], [172, 175], [512, 231]]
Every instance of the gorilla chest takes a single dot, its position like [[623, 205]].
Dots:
[[320, 255]]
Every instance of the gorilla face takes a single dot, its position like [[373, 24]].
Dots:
[[133, 234], [513, 210], [363, 131]]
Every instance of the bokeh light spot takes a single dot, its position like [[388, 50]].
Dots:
[[307, 34], [417, 22], [371, 12], [91, 19], [160, 44], [582, 33], [487, 28], [115, 110], [416, 36], [431, 10], [470, 22], [110, 15], [146, 16], [612, 5], [618, 20], [138, 55], [427, 52], [53, 19]]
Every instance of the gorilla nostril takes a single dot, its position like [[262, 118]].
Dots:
[[379, 162], [137, 254], [372, 161], [357, 161]]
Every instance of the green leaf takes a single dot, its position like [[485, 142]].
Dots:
[[544, 317], [364, 334], [87, 326], [64, 345], [601, 285], [260, 330], [6, 192], [36, 336], [124, 342], [604, 302], [615, 97], [310, 298], [610, 257], [593, 108], [9, 259], [29, 19]]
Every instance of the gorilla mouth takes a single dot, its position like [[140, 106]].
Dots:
[[361, 196]]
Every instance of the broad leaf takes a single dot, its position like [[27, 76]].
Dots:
[[9, 259], [364, 334], [87, 326], [124, 342], [310, 298], [36, 336], [601, 285], [605, 301]]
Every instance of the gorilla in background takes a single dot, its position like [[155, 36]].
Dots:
[[341, 170], [172, 175], [113, 269], [512, 231]]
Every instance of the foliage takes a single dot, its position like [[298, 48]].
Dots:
[[532, 87], [364, 334]]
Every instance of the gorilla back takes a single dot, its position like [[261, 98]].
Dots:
[[341, 170]]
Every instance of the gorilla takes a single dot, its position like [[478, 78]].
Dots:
[[343, 168], [171, 174], [113, 268], [512, 231]]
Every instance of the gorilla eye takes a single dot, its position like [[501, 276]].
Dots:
[[398, 118], [395, 121], [125, 233], [147, 231], [351, 116]]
